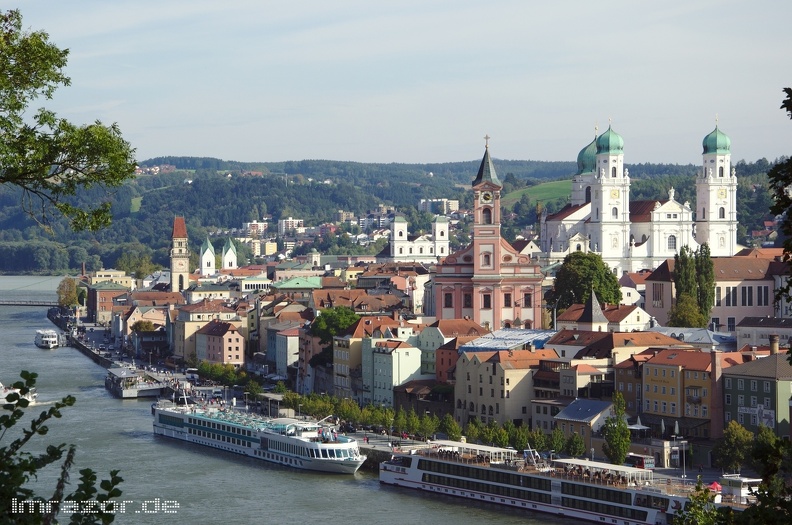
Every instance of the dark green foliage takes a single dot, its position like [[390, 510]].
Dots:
[[574, 445], [19, 469], [578, 275], [780, 181], [701, 510], [556, 442], [616, 433], [332, 322], [694, 281], [705, 281], [732, 450], [48, 161], [685, 272], [685, 312]]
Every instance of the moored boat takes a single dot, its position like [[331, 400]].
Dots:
[[308, 445], [47, 339], [581, 489]]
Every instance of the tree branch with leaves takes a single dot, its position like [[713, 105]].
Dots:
[[49, 158]]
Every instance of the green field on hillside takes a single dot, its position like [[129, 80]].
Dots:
[[548, 191]]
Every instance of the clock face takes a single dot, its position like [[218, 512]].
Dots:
[[722, 193], [181, 265], [614, 194], [486, 196]]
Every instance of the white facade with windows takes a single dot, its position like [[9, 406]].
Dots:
[[635, 235]]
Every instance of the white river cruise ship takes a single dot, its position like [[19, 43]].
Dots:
[[308, 445]]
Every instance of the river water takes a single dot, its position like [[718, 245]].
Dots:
[[209, 486]]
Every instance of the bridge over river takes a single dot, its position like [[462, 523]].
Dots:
[[32, 302]]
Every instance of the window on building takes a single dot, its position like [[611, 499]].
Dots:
[[613, 172], [672, 242], [448, 300], [665, 405], [762, 296], [527, 300], [740, 384], [486, 259], [727, 382], [615, 212], [486, 216], [747, 295], [731, 296], [507, 300], [741, 418], [717, 296], [728, 399], [754, 385], [673, 408], [486, 301], [767, 387], [657, 295], [731, 324], [721, 213], [467, 300], [740, 400]]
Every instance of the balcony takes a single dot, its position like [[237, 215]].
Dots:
[[694, 400]]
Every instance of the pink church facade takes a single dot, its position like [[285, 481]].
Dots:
[[489, 281]]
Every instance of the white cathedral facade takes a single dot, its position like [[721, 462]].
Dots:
[[635, 235]]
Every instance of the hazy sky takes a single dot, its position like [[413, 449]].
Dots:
[[424, 81]]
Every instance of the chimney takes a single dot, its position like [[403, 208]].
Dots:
[[773, 344], [716, 387]]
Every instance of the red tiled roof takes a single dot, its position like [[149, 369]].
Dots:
[[565, 212], [179, 228], [725, 269], [614, 313], [641, 211], [693, 359], [457, 327]]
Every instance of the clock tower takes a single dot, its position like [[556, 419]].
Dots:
[[716, 196], [179, 256]]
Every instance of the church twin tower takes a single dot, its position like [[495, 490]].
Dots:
[[635, 235], [180, 257]]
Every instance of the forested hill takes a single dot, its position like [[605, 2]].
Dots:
[[358, 173], [217, 196]]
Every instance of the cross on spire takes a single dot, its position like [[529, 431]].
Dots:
[[486, 140]]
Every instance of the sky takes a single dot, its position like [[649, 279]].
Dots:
[[424, 81]]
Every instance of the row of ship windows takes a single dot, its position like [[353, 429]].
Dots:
[[220, 437]]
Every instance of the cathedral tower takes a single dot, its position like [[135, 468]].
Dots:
[[716, 196], [610, 201]]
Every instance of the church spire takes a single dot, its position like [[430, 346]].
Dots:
[[486, 172]]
